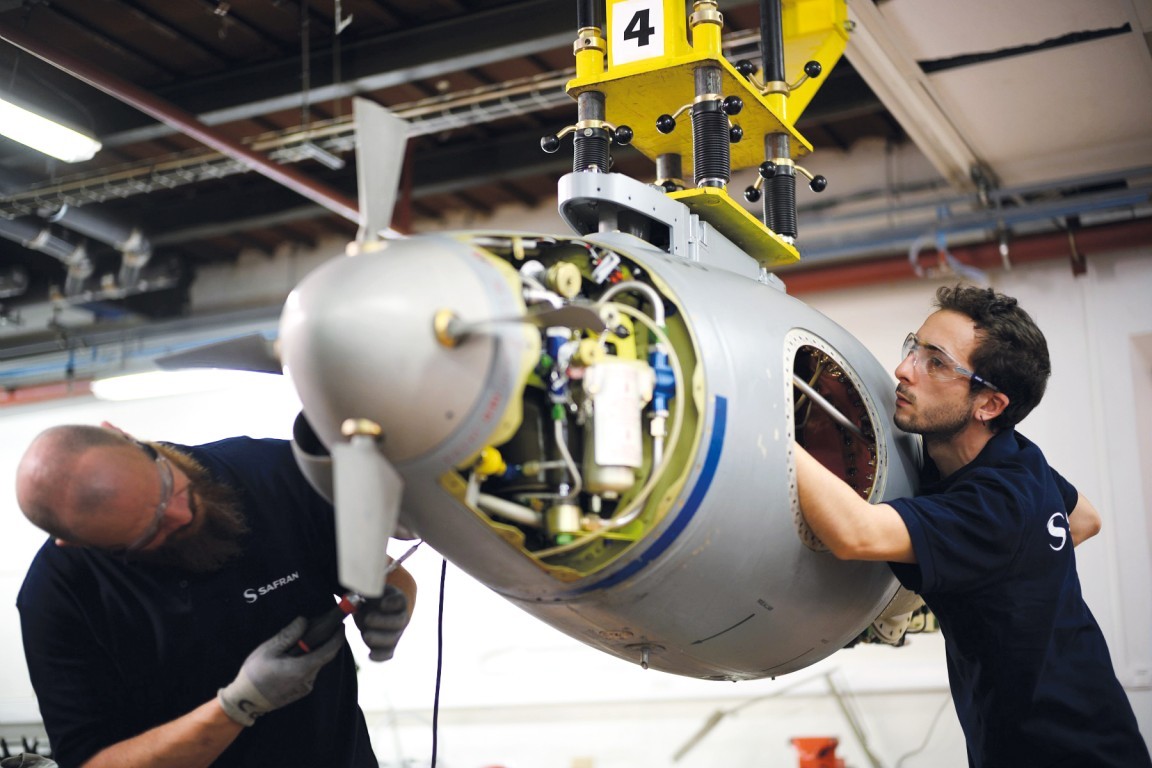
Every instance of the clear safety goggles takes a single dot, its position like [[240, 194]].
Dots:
[[938, 364]]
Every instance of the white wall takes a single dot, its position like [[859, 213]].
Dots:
[[518, 694]]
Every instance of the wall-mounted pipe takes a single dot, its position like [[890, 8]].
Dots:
[[940, 239], [1106, 238], [873, 233], [173, 116]]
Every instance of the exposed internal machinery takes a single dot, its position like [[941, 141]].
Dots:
[[600, 427]]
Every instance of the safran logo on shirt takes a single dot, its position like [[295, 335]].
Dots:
[[1058, 532], [254, 594]]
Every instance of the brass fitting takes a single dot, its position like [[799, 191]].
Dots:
[[356, 427]]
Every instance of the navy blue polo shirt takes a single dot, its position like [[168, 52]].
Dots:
[[117, 648], [1029, 669]]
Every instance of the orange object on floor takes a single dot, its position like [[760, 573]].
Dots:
[[818, 751]]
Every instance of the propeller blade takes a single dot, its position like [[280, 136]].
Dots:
[[381, 141]]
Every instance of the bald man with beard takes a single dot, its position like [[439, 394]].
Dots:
[[158, 617]]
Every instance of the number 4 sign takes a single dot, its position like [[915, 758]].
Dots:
[[637, 30]]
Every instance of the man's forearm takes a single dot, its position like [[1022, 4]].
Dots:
[[850, 526], [1084, 521], [192, 741]]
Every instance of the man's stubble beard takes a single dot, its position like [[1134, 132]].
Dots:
[[938, 424]]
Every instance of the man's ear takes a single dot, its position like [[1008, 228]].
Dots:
[[992, 405]]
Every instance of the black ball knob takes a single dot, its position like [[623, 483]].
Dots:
[[669, 186], [732, 105], [746, 67], [623, 135], [818, 184], [767, 169], [735, 133], [665, 123], [549, 144], [752, 194], [813, 69]]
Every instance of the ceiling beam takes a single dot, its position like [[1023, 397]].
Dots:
[[430, 51], [415, 53], [176, 118], [875, 51]]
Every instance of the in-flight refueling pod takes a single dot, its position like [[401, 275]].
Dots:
[[600, 427]]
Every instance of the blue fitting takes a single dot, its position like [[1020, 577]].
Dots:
[[556, 380], [665, 386]]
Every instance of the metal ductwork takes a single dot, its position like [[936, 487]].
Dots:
[[33, 234], [129, 240], [13, 282], [81, 285], [133, 244]]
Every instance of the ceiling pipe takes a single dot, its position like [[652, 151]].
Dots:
[[1065, 244], [13, 282], [79, 285], [133, 244], [173, 116], [30, 233]]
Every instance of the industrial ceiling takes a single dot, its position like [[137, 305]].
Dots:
[[1033, 120]]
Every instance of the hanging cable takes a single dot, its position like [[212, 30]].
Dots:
[[305, 67], [439, 663], [928, 735]]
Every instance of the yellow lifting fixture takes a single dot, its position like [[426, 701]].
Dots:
[[652, 62]]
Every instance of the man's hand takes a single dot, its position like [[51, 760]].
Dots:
[[270, 678], [382, 621]]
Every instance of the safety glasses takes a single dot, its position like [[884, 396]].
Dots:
[[166, 488], [938, 364]]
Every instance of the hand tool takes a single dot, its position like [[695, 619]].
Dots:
[[322, 627]]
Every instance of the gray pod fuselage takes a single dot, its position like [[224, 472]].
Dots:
[[704, 568]]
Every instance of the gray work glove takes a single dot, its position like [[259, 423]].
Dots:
[[270, 679], [382, 621]]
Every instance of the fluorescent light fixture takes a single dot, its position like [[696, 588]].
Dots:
[[45, 135], [142, 386]]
